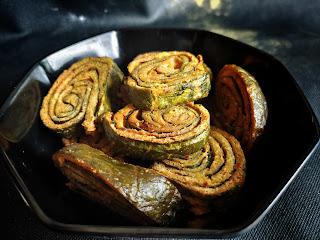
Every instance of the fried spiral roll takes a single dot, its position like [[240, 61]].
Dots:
[[211, 177], [138, 193], [80, 95], [162, 79], [154, 135], [240, 107]]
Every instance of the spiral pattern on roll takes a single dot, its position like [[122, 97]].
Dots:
[[162, 79], [210, 175], [240, 107], [158, 134], [80, 95]]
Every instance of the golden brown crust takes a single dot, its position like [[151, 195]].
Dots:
[[216, 178], [162, 79], [80, 95], [159, 133]]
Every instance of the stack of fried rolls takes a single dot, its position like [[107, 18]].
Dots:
[[202, 153]]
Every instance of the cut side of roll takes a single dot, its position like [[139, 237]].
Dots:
[[155, 135], [162, 79], [138, 193], [209, 179], [80, 95], [240, 107]]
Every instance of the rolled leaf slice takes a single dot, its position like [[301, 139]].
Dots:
[[155, 135], [138, 193], [211, 178], [80, 95], [162, 79], [240, 107]]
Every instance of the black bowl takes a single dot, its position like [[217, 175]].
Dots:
[[27, 146]]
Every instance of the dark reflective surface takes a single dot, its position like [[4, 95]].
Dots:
[[291, 134], [19, 113]]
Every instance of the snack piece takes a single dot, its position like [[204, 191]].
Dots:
[[140, 194], [81, 95], [155, 135], [211, 178], [162, 79], [240, 107]]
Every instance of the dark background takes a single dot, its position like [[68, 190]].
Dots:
[[288, 30]]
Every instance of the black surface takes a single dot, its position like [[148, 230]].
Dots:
[[288, 30]]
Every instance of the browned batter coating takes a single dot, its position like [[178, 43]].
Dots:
[[210, 178], [240, 107], [81, 95], [158, 80]]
